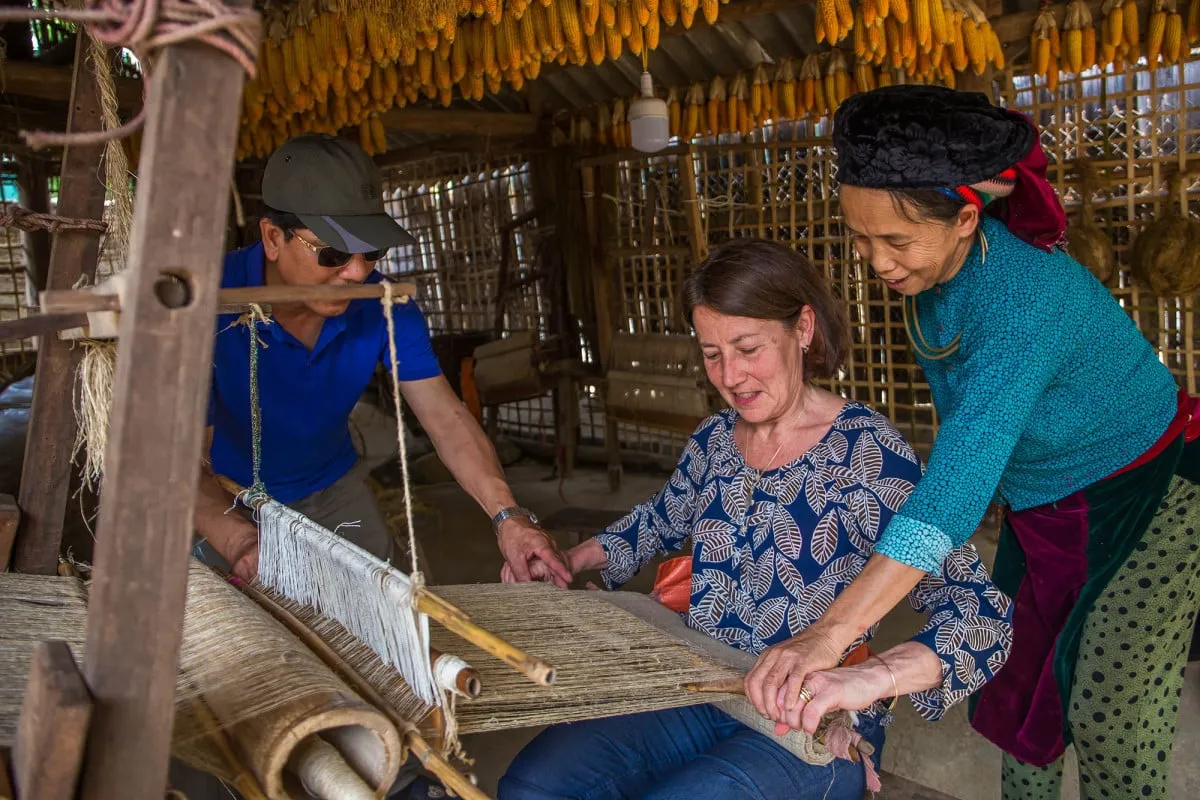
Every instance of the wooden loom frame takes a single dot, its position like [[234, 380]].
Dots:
[[105, 731]]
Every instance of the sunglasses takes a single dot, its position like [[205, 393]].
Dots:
[[333, 258]]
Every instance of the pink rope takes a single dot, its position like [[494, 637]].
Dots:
[[839, 739], [146, 26]]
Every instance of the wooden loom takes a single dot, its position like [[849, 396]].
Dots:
[[244, 719]]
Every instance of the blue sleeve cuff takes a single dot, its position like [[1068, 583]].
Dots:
[[916, 543], [622, 563], [934, 702]]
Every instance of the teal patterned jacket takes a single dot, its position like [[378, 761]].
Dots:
[[1052, 388]]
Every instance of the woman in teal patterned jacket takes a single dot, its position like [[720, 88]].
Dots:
[[1051, 403]]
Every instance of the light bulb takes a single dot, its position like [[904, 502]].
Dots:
[[648, 123]]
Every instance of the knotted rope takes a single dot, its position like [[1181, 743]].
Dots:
[[251, 319], [388, 301], [23, 219], [145, 27]]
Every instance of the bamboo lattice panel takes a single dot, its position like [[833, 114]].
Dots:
[[14, 261], [782, 185], [456, 206], [1136, 128]]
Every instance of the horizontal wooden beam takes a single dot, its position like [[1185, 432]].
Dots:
[[453, 121], [45, 82], [453, 144]]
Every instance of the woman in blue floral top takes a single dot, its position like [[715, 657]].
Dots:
[[783, 496]]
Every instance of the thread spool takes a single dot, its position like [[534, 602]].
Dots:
[[452, 674]]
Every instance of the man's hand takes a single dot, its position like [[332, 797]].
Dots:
[[773, 685], [522, 543], [239, 547]]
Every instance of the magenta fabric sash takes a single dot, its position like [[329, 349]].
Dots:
[[1029, 724]]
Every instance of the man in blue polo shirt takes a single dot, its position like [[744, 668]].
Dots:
[[326, 225]]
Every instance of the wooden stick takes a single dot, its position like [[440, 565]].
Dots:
[[39, 325], [46, 470], [432, 760], [737, 686], [53, 725], [138, 592], [74, 301], [457, 621]]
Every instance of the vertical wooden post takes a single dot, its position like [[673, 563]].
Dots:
[[152, 464], [10, 519], [53, 725], [697, 241], [34, 191], [46, 471], [607, 313]]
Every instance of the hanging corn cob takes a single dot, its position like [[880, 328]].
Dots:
[[1079, 37], [1043, 45]]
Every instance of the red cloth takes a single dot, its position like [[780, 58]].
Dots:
[[1033, 211], [673, 584]]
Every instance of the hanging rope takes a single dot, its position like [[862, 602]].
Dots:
[[388, 301], [251, 319], [145, 27], [23, 219]]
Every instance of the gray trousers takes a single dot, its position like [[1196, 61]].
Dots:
[[347, 501]]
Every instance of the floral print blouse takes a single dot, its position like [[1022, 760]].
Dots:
[[772, 550]]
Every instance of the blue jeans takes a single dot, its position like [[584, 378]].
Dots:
[[678, 754]]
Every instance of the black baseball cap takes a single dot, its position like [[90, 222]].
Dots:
[[335, 189]]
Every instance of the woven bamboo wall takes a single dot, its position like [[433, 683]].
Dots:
[[14, 300], [782, 185], [456, 206]]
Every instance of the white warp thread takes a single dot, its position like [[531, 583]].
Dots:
[[374, 601]]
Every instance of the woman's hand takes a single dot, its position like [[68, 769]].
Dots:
[[773, 685], [843, 688]]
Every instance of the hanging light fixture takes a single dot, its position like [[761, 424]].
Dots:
[[648, 123]]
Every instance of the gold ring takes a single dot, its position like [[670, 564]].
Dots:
[[806, 694]]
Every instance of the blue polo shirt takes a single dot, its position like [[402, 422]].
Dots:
[[305, 396]]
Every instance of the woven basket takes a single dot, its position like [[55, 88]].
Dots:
[[507, 370], [1166, 255], [657, 380]]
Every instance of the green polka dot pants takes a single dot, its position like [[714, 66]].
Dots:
[[1129, 675]]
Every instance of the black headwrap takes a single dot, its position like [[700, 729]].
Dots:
[[915, 137], [931, 137]]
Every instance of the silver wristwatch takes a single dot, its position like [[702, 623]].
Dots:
[[511, 511]]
